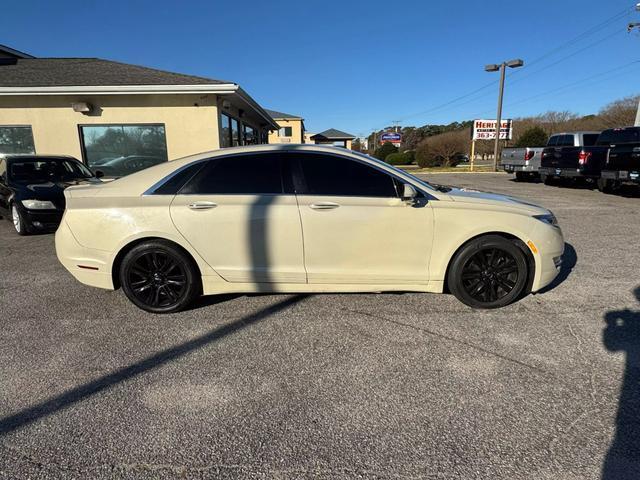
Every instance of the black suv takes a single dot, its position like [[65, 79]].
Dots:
[[31, 189]]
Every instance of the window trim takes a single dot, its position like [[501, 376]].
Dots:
[[83, 151], [33, 139]]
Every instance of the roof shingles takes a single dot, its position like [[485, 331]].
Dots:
[[90, 72]]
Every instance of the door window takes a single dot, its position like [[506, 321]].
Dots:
[[256, 174], [340, 176]]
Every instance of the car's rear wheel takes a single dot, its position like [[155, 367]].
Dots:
[[521, 176], [546, 179], [488, 272], [605, 185], [19, 223], [159, 277]]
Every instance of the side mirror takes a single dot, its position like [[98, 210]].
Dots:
[[99, 174], [408, 192]]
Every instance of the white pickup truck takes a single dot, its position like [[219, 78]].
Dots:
[[524, 162]]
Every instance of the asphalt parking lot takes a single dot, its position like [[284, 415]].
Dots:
[[331, 386]]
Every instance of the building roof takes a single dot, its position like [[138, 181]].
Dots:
[[281, 116], [12, 52], [333, 134], [58, 72]]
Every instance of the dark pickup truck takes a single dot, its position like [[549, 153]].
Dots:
[[623, 163], [577, 155]]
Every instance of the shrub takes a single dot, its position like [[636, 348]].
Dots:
[[444, 149], [386, 149], [533, 137], [404, 158]]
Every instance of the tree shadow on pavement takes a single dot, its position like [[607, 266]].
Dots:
[[60, 402], [569, 261], [622, 334]]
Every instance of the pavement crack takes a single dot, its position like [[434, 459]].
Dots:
[[450, 339]]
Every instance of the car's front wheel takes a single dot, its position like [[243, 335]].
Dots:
[[159, 277], [19, 222], [488, 272]]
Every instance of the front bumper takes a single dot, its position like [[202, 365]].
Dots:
[[43, 219], [624, 176], [89, 266], [549, 243]]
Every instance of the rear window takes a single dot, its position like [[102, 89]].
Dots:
[[565, 141], [589, 139], [553, 141], [627, 135]]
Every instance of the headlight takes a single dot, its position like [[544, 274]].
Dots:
[[548, 218], [38, 204]]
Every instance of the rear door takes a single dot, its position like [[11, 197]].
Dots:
[[357, 230], [239, 212]]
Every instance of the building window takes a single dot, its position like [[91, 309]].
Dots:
[[250, 136], [119, 150], [286, 132], [16, 139], [235, 133], [225, 131]]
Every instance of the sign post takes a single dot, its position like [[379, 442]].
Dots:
[[473, 155]]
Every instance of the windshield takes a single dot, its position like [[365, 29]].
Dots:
[[40, 170], [413, 177]]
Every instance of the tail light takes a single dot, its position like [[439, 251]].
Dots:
[[529, 155], [583, 157]]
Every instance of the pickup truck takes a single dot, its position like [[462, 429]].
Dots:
[[524, 162], [623, 163], [576, 155]]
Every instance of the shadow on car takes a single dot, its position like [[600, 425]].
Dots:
[[622, 334], [569, 261]]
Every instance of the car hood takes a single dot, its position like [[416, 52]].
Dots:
[[494, 199]]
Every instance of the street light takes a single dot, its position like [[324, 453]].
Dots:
[[515, 63]]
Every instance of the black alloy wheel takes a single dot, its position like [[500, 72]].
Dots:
[[488, 272], [158, 277]]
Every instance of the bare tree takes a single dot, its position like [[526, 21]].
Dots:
[[443, 148]]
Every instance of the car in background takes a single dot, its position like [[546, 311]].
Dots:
[[623, 162], [31, 189], [301, 218], [578, 156], [122, 166], [524, 162]]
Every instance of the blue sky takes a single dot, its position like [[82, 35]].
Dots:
[[359, 65]]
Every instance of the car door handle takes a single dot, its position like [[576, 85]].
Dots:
[[324, 206], [202, 205]]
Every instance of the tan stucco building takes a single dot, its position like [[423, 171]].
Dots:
[[106, 112], [291, 128]]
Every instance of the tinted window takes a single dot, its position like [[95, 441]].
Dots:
[[118, 150], [16, 140], [332, 175], [627, 135], [553, 141], [225, 131], [175, 183], [589, 139], [565, 141], [239, 175]]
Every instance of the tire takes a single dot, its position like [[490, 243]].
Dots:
[[488, 272], [604, 185], [158, 277], [546, 179], [521, 177], [19, 223]]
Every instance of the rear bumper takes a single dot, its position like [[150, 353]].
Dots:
[[562, 172], [89, 266], [624, 176], [512, 168]]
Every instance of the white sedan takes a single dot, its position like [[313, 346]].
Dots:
[[298, 218]]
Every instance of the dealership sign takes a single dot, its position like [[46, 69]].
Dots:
[[486, 130], [391, 137]]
